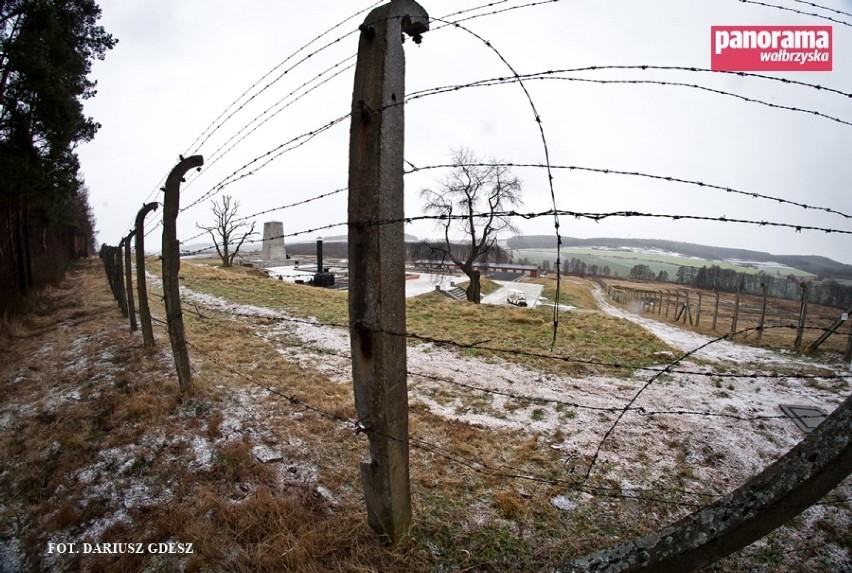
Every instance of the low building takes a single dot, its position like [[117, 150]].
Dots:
[[533, 271]]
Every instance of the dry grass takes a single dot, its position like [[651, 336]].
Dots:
[[583, 336], [589, 336], [572, 291], [98, 446]]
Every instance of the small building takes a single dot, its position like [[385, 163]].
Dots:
[[533, 271]]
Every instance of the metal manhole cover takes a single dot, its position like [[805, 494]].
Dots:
[[805, 417]]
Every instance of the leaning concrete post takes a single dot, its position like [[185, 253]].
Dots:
[[128, 274], [783, 490], [117, 254], [377, 260], [803, 315], [141, 282], [171, 267]]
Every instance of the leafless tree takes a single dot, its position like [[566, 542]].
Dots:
[[226, 230], [474, 197]]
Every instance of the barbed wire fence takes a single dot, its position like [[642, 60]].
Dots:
[[584, 483]]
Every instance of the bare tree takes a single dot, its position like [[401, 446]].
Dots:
[[474, 197], [226, 230]]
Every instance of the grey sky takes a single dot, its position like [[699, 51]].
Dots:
[[178, 65]]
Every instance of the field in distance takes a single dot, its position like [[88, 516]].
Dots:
[[621, 260]]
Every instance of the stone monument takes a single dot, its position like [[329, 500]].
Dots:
[[273, 243]]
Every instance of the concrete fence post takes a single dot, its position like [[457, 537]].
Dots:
[[377, 261], [118, 276], [128, 275], [141, 282], [171, 267]]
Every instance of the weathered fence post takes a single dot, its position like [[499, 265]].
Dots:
[[698, 314], [716, 310], [377, 261], [171, 267], [765, 288], [736, 316], [847, 356], [677, 310], [118, 270], [668, 301], [128, 273], [783, 490], [803, 315], [141, 283]]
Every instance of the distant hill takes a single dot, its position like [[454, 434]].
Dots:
[[822, 267]]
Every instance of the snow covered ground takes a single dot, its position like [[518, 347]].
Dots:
[[727, 427]]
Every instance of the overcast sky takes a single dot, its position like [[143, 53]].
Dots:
[[178, 65]]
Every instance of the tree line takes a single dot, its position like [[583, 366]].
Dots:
[[46, 52], [827, 292]]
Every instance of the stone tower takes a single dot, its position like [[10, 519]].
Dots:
[[273, 242]]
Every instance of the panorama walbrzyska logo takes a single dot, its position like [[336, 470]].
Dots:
[[771, 48]]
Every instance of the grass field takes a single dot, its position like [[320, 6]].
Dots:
[[590, 336], [621, 262], [259, 469]]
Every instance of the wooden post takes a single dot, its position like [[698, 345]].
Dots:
[[698, 314], [128, 274], [678, 310], [668, 301], [803, 315], [377, 261], [765, 288], [141, 283], [171, 267], [736, 306], [847, 356], [660, 307], [716, 310]]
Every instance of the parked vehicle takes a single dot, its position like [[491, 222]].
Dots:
[[516, 297]]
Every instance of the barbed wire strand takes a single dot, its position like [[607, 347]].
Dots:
[[668, 178], [531, 4], [795, 11], [548, 76], [826, 8], [592, 216]]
